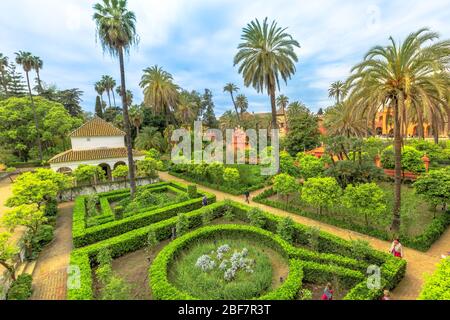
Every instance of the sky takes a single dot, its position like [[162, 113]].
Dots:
[[196, 40]]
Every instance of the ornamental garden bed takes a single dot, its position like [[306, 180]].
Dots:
[[332, 259], [421, 226]]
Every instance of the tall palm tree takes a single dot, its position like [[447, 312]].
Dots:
[[231, 88], [109, 84], [394, 76], [340, 120], [241, 103], [265, 55], [27, 61], [137, 118], [160, 92], [116, 28], [3, 65], [130, 96], [150, 138], [338, 91], [38, 65], [282, 103], [185, 110], [100, 89]]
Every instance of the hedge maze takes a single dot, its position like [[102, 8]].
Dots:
[[333, 258]]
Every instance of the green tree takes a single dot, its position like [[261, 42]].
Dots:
[[231, 175], [117, 33], [186, 110], [120, 172], [149, 167], [401, 76], [287, 164], [15, 82], [7, 253], [89, 174], [310, 166], [285, 185], [27, 61], [100, 89], [150, 138], [435, 186], [231, 88], [341, 120], [207, 104], [321, 193], [98, 107], [242, 103], [365, 199], [303, 129], [3, 74], [282, 103], [411, 159], [109, 84], [266, 54], [37, 66], [338, 90]]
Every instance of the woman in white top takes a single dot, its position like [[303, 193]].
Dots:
[[396, 249]]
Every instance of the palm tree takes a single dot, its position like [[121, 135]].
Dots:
[[38, 65], [3, 65], [100, 89], [137, 117], [338, 91], [340, 120], [27, 61], [160, 93], [150, 138], [130, 96], [231, 88], [117, 33], [185, 109], [241, 103], [282, 103], [109, 84], [265, 55], [396, 75]]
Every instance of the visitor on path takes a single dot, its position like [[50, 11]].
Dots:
[[205, 201], [328, 292], [386, 295], [396, 249], [247, 196]]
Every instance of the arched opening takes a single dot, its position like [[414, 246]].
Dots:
[[107, 169], [65, 170], [379, 131], [120, 163]]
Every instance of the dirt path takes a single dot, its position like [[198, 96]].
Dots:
[[50, 275], [419, 263]]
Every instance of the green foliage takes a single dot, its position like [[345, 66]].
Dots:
[[436, 153], [118, 212], [17, 128], [192, 191], [310, 166], [182, 225], [366, 199], [361, 249], [435, 186], [229, 214], [286, 229], [120, 172], [354, 172], [305, 295], [313, 234], [321, 192], [152, 240], [216, 172], [149, 167], [8, 251], [411, 159], [21, 289], [208, 217], [285, 185], [231, 175], [89, 174], [303, 130], [256, 218], [287, 164], [436, 286]]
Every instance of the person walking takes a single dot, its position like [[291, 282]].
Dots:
[[328, 292], [396, 249], [205, 201]]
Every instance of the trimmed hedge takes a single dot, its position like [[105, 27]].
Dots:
[[83, 236], [162, 289], [333, 259], [437, 286], [21, 289], [422, 242]]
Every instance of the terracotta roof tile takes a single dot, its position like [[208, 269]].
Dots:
[[94, 154], [97, 127]]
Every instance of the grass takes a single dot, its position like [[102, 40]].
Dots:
[[212, 285]]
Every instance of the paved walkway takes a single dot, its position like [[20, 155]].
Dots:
[[50, 275], [418, 262]]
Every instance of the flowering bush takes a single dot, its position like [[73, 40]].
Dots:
[[205, 263]]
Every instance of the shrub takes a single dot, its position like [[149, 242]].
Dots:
[[192, 191], [118, 212], [231, 175], [437, 286], [411, 159], [216, 171], [321, 192], [286, 229], [256, 218], [51, 208], [207, 217], [21, 289], [182, 225], [229, 214], [120, 172], [310, 166], [435, 186]]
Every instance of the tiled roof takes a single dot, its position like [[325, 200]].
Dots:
[[94, 154], [97, 127]]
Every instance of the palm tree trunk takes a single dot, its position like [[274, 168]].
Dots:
[[395, 227], [36, 122], [109, 98], [114, 98], [39, 80], [435, 128], [235, 107], [103, 103], [126, 120], [273, 104]]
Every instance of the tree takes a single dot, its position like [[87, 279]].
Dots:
[[7, 253], [137, 118], [150, 138], [303, 129], [411, 159], [321, 193], [341, 120], [399, 75], [209, 117], [15, 82], [117, 33], [149, 168], [27, 61], [285, 185], [186, 110], [120, 172], [3, 74], [265, 55], [310, 166], [98, 107], [282, 103], [365, 199], [129, 96], [109, 84], [37, 66], [435, 187], [100, 89], [231, 88], [287, 164], [160, 92], [231, 175], [17, 130], [71, 100], [242, 103], [338, 90], [89, 174]]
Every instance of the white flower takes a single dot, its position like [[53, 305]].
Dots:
[[205, 263]]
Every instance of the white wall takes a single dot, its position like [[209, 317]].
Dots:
[[88, 143], [74, 165]]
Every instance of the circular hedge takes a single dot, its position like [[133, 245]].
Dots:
[[163, 289]]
